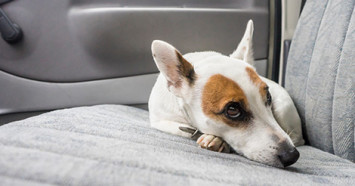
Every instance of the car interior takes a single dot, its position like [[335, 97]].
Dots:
[[76, 75]]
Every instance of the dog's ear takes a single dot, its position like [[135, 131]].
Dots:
[[244, 50], [178, 72]]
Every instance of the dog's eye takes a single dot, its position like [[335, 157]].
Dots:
[[268, 98], [232, 111]]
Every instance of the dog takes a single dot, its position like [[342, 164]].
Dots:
[[225, 99]]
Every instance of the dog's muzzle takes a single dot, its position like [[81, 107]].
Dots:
[[287, 155]]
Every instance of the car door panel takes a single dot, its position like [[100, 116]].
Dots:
[[86, 52]]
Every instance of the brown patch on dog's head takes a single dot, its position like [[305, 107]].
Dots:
[[218, 92], [186, 69], [263, 88]]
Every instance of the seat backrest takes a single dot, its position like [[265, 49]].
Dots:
[[320, 74]]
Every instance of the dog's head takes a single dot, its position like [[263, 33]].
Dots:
[[224, 96]]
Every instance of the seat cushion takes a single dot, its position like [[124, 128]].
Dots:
[[320, 75], [114, 145]]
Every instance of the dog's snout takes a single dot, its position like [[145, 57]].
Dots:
[[288, 156]]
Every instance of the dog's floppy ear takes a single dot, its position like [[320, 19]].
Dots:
[[178, 72], [244, 50]]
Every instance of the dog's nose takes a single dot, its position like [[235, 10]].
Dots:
[[289, 157]]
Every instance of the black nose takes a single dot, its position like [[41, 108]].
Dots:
[[289, 157]]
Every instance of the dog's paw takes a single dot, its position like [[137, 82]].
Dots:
[[213, 143]]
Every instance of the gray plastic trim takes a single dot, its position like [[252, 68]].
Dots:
[[225, 4], [24, 95]]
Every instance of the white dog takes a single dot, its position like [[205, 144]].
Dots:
[[224, 98]]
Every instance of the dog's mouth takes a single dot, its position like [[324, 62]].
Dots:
[[276, 163]]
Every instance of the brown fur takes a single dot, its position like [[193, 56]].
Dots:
[[257, 81], [218, 91]]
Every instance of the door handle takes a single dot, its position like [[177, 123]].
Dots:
[[10, 31]]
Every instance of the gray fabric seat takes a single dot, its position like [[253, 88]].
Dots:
[[320, 75], [114, 145]]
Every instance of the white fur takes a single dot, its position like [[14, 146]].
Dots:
[[244, 50], [171, 107]]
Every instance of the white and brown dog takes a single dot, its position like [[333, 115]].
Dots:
[[224, 98]]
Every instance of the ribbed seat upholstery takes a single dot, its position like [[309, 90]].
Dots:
[[321, 72]]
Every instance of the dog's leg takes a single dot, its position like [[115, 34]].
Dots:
[[213, 143], [207, 141]]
